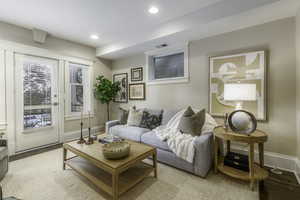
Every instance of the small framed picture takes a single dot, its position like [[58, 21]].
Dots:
[[137, 91], [137, 74], [122, 96]]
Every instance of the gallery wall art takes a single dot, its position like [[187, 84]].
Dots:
[[243, 68], [136, 74], [137, 91], [122, 96]]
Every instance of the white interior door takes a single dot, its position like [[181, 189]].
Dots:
[[36, 101]]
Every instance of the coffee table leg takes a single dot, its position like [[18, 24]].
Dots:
[[155, 163], [64, 158], [115, 185]]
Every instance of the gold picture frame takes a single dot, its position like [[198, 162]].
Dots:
[[248, 67]]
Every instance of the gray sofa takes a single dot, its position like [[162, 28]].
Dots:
[[3, 161], [203, 145]]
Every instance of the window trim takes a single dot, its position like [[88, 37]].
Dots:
[[87, 101], [3, 118], [165, 52]]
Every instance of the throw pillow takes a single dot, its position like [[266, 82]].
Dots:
[[134, 117], [123, 115], [151, 121], [191, 122]]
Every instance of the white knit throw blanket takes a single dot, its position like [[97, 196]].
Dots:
[[182, 144]]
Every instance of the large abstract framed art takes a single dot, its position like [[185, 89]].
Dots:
[[243, 68]]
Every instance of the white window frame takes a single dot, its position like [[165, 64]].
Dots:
[[87, 92], [165, 52], [3, 122]]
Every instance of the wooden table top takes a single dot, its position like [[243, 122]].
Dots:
[[94, 152], [257, 136]]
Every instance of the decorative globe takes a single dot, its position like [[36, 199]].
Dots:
[[241, 121]]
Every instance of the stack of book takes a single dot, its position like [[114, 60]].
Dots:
[[237, 161], [110, 139]]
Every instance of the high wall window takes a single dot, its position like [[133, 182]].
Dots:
[[167, 65], [78, 89]]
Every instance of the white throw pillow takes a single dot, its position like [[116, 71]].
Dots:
[[134, 117]]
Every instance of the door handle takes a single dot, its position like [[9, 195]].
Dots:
[[55, 103]]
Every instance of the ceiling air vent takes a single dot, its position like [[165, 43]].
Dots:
[[161, 46], [39, 35]]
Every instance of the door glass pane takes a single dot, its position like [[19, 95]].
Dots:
[[37, 118], [37, 95]]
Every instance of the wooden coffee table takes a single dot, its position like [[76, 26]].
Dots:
[[113, 176]]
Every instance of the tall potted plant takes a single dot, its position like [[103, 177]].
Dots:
[[105, 91]]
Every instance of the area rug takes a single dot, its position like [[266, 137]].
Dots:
[[40, 177]]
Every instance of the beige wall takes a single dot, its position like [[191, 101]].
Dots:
[[298, 78], [277, 37], [24, 36]]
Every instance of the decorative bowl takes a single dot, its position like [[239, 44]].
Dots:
[[116, 150]]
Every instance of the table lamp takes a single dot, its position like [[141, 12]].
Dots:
[[239, 92]]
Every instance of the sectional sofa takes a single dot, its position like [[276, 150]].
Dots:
[[203, 145]]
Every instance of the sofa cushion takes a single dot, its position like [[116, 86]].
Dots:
[[151, 139], [128, 132]]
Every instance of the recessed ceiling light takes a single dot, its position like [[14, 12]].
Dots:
[[153, 10], [94, 37]]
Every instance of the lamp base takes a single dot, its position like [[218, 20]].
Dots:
[[239, 106]]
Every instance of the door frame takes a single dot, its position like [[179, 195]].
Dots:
[[10, 48], [37, 135]]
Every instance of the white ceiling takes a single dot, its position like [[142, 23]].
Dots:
[[125, 27]]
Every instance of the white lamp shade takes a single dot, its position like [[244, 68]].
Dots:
[[239, 92]]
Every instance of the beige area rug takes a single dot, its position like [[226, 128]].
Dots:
[[40, 177]]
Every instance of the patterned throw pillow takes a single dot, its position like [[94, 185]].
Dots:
[[151, 121]]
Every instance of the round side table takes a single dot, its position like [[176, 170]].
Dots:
[[256, 172]]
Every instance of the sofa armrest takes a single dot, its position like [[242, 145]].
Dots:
[[110, 124], [203, 154]]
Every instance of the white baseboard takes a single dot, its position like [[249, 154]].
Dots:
[[72, 135], [271, 159]]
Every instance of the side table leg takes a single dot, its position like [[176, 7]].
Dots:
[[115, 185], [155, 163], [216, 149], [64, 158], [261, 154], [228, 146], [251, 165]]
